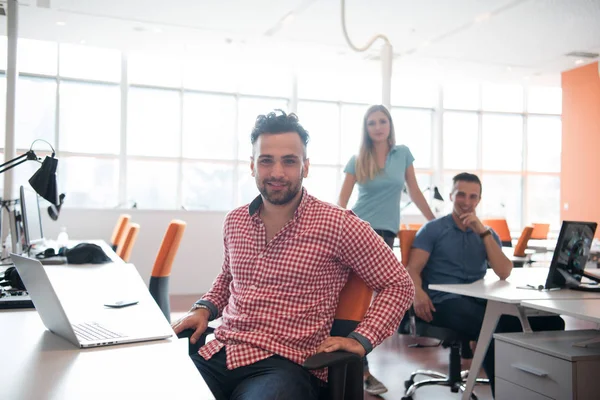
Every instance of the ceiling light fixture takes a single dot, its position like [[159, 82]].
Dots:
[[61, 23], [482, 17]]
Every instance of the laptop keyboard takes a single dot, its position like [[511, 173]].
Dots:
[[93, 331]]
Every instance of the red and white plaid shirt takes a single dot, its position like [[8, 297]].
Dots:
[[280, 297]]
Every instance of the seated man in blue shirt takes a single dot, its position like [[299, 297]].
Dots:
[[458, 248]]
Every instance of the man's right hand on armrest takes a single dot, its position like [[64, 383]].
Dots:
[[196, 320], [423, 305]]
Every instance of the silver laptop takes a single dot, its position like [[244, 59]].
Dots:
[[91, 333]]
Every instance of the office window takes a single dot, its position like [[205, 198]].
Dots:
[[248, 109], [502, 142], [321, 83], [89, 182], [209, 126], [2, 107], [460, 136], [35, 111], [543, 200], [322, 183], [246, 185], [265, 79], [414, 93], [544, 100], [153, 124], [352, 130], [501, 198], [502, 97], [37, 57], [322, 121], [461, 96], [85, 62], [413, 129], [213, 75], [207, 186], [153, 184], [365, 86], [3, 53], [90, 116], [544, 142], [154, 70]]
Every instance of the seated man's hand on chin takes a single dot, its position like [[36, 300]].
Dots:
[[423, 306], [335, 343], [196, 320]]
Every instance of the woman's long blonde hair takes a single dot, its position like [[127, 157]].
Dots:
[[366, 166]]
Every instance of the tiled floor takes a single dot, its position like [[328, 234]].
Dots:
[[393, 361]]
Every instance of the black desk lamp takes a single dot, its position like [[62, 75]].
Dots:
[[44, 179]]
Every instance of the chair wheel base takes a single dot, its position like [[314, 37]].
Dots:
[[408, 384]]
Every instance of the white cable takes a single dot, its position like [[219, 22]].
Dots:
[[352, 46]]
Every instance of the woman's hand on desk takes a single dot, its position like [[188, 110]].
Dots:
[[196, 319], [423, 306]]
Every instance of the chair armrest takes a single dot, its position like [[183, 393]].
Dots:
[[193, 348], [323, 360]]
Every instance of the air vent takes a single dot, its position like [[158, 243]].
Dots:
[[582, 54]]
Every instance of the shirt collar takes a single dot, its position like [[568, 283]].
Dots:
[[255, 205]]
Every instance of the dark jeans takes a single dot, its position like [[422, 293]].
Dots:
[[388, 237], [273, 378], [465, 315]]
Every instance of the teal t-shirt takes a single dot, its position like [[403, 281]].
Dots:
[[379, 199]]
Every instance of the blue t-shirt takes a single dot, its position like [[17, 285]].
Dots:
[[379, 199], [455, 256]]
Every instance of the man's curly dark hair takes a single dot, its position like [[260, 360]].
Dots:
[[278, 122]]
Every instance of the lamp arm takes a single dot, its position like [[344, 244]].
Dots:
[[30, 155], [352, 46]]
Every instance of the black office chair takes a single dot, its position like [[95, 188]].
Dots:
[[345, 370], [455, 378]]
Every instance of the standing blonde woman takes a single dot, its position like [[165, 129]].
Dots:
[[381, 170]]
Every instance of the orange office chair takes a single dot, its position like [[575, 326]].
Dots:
[[119, 230], [540, 231], [501, 228], [159, 280], [126, 245], [522, 243], [414, 326], [415, 227]]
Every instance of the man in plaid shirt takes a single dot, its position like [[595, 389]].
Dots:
[[287, 256]]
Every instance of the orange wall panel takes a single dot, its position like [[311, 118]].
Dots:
[[580, 159]]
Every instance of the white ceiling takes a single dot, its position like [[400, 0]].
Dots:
[[506, 39]]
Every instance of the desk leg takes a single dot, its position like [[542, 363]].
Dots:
[[522, 314], [493, 311]]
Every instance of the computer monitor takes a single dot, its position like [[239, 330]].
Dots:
[[32, 219], [571, 254]]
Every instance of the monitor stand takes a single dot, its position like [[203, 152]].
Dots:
[[572, 283]]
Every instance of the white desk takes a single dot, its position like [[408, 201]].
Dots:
[[36, 364], [588, 310], [504, 297]]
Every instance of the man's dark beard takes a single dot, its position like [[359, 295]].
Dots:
[[288, 195]]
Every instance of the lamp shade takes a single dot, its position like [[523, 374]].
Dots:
[[436, 194], [44, 180]]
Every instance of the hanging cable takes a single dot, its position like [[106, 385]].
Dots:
[[352, 46]]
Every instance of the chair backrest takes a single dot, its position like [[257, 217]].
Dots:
[[522, 243], [161, 271], [119, 230], [540, 231], [500, 226], [406, 237], [168, 249], [415, 227], [126, 246]]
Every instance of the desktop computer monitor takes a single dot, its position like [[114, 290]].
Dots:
[[571, 254], [32, 218]]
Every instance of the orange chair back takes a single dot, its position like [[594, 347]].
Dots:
[[406, 237], [168, 249], [119, 230], [500, 226], [522, 243], [355, 298], [126, 245], [540, 231], [414, 227]]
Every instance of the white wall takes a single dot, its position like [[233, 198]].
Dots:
[[200, 255]]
